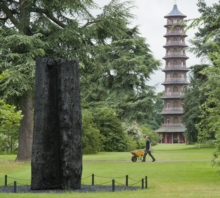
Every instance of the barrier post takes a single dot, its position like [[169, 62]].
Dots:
[[6, 180], [113, 185], [15, 186], [126, 180], [93, 179], [146, 182]]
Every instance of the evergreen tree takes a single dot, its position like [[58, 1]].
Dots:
[[55, 29], [122, 84], [208, 29], [194, 96]]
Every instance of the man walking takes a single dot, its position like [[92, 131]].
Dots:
[[148, 150]]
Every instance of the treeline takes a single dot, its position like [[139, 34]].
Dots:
[[102, 131], [202, 96]]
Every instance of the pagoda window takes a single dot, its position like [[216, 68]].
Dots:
[[182, 63], [175, 104], [175, 50], [175, 75], [175, 89], [167, 120], [175, 120], [175, 62]]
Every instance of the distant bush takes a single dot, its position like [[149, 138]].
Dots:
[[92, 140], [111, 128]]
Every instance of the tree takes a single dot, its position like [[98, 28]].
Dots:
[[92, 140], [122, 84], [207, 44], [194, 96], [208, 29], [55, 29], [208, 127], [111, 128], [9, 125]]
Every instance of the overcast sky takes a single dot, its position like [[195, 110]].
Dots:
[[150, 19]]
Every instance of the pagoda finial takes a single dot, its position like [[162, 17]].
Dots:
[[174, 2]]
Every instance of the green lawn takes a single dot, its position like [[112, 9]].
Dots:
[[180, 171]]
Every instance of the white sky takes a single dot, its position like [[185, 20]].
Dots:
[[150, 19]]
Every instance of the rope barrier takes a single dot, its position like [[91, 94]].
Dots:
[[103, 183], [135, 183], [87, 177], [109, 177], [66, 184], [133, 179], [19, 179], [119, 183]]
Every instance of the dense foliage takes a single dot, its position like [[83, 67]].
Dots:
[[207, 29], [194, 96], [206, 43], [92, 140], [127, 64], [111, 128], [115, 61], [9, 125]]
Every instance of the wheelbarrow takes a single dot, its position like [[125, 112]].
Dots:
[[137, 155]]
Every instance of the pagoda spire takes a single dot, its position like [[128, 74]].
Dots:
[[174, 2]]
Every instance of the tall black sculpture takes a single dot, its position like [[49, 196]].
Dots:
[[57, 146]]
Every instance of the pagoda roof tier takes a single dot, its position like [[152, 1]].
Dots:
[[173, 111], [171, 129], [175, 13], [175, 69], [170, 95], [175, 83], [169, 24], [177, 34], [175, 56], [174, 44]]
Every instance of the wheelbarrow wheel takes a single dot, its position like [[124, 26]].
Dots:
[[134, 159]]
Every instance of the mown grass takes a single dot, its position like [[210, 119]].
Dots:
[[180, 171]]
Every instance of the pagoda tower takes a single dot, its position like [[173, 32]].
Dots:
[[175, 71]]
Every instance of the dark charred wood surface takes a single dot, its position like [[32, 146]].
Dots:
[[57, 145]]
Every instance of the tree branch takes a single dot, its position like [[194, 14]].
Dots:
[[4, 19], [9, 14], [50, 16]]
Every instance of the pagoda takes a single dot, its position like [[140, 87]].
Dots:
[[172, 130]]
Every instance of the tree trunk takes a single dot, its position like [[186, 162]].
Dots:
[[26, 130]]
